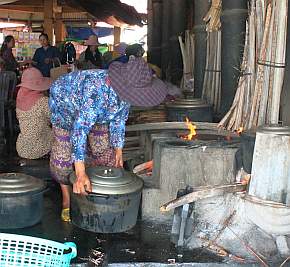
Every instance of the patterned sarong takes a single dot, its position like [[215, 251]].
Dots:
[[99, 152]]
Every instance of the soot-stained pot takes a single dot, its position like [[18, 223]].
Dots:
[[195, 109], [112, 206], [21, 199], [248, 139]]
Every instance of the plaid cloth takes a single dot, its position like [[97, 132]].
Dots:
[[135, 84]]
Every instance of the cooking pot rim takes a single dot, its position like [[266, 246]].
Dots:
[[122, 183], [22, 194]]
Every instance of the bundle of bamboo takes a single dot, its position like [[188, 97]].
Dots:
[[212, 18], [257, 99], [187, 51], [212, 77]]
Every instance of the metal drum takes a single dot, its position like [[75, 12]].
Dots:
[[112, 206], [271, 165], [195, 109]]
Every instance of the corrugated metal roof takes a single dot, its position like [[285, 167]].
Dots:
[[102, 10]]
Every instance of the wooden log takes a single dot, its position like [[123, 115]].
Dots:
[[144, 166], [201, 193]]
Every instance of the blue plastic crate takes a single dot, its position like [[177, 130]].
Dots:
[[26, 251]]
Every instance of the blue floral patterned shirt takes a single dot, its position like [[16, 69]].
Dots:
[[81, 99]]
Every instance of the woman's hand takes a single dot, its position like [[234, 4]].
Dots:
[[118, 158], [82, 185], [27, 61]]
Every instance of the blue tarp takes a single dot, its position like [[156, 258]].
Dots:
[[83, 33]]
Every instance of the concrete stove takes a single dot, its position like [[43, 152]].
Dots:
[[209, 159]]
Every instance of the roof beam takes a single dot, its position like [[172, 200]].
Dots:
[[21, 8], [26, 8], [29, 3]]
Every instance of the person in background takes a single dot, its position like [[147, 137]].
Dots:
[[10, 63], [91, 58], [89, 110], [2, 64], [34, 140], [119, 54], [124, 51], [68, 53], [46, 56], [136, 50]]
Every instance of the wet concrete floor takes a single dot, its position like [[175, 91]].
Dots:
[[146, 242]]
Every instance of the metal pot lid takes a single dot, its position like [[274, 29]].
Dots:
[[274, 129], [19, 183], [187, 103], [112, 181]]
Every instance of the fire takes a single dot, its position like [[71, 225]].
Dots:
[[192, 130], [240, 130]]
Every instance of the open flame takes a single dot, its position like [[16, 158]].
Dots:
[[240, 130], [192, 130]]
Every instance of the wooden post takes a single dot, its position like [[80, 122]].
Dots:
[[154, 31], [48, 18], [117, 35], [60, 31]]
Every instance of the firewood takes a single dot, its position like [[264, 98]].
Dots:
[[201, 193]]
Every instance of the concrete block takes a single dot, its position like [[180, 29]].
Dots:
[[152, 199]]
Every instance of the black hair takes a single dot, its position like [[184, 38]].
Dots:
[[136, 50], [96, 60], [4, 46], [44, 35]]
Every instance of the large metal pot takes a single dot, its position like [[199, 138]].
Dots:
[[195, 109], [112, 206], [21, 198]]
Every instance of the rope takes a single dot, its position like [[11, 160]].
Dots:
[[271, 64], [209, 70]]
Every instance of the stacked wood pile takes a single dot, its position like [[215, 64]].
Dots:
[[139, 115], [151, 116], [257, 100], [212, 78]]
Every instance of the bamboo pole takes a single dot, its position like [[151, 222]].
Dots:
[[211, 83], [282, 7], [267, 75], [260, 71]]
